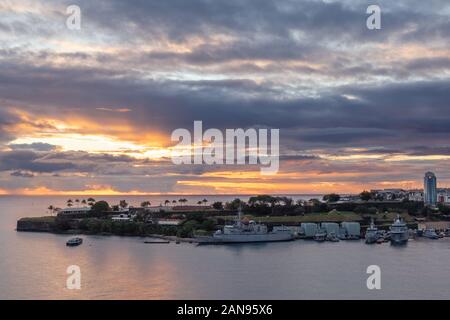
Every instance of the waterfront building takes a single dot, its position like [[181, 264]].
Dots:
[[309, 229], [121, 218], [430, 189], [330, 228], [158, 209], [390, 194], [168, 222], [350, 229], [74, 211]]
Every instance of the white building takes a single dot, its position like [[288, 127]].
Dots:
[[74, 211], [169, 222], [330, 228], [443, 196], [309, 230], [351, 229], [158, 209], [415, 195], [122, 217]]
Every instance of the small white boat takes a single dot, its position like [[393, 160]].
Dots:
[[320, 236], [430, 234], [74, 242]]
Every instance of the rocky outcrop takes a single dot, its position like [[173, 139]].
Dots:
[[35, 225]]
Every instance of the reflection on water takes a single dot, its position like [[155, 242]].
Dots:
[[33, 266]]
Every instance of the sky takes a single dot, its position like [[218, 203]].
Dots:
[[91, 111]]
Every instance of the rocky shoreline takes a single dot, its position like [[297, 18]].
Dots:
[[49, 225]]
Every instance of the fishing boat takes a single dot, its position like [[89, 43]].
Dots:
[[74, 242]]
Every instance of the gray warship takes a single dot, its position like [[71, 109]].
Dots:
[[246, 232]]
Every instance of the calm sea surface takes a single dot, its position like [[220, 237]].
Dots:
[[33, 265]]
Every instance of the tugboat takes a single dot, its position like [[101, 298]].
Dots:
[[74, 242], [430, 234], [372, 234], [246, 232], [399, 232]]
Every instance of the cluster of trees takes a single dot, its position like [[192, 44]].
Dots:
[[167, 202], [280, 205], [94, 225], [77, 202], [196, 223]]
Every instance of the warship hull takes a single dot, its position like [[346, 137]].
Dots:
[[245, 238], [399, 238]]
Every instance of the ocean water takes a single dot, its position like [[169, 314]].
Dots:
[[33, 266]]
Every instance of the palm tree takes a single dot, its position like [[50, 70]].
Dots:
[[77, 201], [200, 203], [69, 203], [146, 204], [91, 201], [51, 208], [174, 201], [205, 201], [123, 204], [166, 202]]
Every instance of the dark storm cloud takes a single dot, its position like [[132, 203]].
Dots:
[[6, 119], [178, 19], [30, 161], [376, 115], [86, 157]]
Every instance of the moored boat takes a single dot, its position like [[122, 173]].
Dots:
[[430, 234], [332, 237], [372, 234], [74, 242], [399, 232], [246, 232], [320, 236]]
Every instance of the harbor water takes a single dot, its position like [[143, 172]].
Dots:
[[33, 266]]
